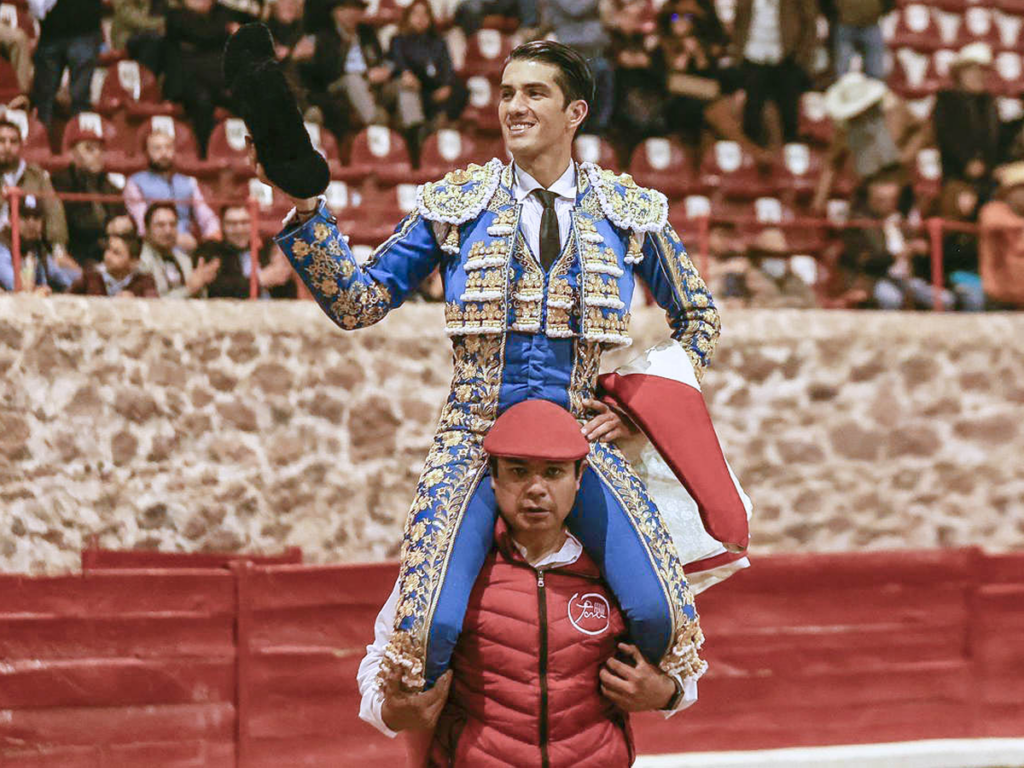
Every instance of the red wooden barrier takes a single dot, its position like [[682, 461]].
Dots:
[[255, 666]]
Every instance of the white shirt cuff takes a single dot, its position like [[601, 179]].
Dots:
[[689, 697]]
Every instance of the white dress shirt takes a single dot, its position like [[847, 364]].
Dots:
[[384, 627], [533, 208]]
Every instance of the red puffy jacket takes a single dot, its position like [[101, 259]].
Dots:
[[526, 690]]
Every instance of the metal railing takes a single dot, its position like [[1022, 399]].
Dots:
[[934, 228]]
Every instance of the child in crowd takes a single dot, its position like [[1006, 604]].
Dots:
[[118, 274]]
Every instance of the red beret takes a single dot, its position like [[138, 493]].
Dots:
[[537, 429]]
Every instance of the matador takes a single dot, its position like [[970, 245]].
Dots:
[[539, 259]]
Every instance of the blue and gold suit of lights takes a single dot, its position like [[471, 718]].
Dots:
[[518, 333]]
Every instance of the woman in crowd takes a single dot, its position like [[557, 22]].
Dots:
[[423, 65], [691, 43]]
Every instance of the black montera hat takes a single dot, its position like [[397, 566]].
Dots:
[[271, 113]]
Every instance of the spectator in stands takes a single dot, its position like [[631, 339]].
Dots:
[[44, 269], [160, 182], [1001, 245], [966, 121], [775, 40], [698, 90], [16, 47], [349, 74], [86, 220], [170, 266], [470, 15], [887, 264], [69, 36], [874, 129], [232, 253], [423, 66], [294, 46], [196, 34], [857, 30], [119, 273], [959, 204], [579, 23], [138, 27], [32, 180], [639, 86]]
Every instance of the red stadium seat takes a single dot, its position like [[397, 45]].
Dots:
[[914, 74], [131, 87], [1008, 71], [227, 146], [916, 28], [731, 170], [379, 213], [486, 52], [815, 124], [978, 27], [35, 146], [19, 17], [666, 166], [447, 149], [1009, 27], [482, 109], [801, 167], [588, 148], [378, 152], [949, 24], [9, 87], [684, 216]]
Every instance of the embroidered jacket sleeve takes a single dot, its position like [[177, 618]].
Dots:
[[682, 293], [355, 296]]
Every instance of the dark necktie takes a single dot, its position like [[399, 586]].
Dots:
[[550, 243]]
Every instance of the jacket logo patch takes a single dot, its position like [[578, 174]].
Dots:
[[589, 613]]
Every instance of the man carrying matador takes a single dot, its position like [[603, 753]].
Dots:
[[538, 259]]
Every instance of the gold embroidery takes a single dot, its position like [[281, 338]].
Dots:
[[461, 195], [583, 381], [682, 655], [625, 204], [450, 476]]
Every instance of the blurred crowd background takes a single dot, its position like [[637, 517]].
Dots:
[[833, 153]]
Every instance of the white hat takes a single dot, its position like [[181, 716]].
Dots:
[[973, 53], [853, 94]]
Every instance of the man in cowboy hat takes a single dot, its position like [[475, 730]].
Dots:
[[874, 127], [1001, 244], [966, 121], [541, 674]]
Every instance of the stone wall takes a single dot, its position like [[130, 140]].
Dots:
[[229, 426]]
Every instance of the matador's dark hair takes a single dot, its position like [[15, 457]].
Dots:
[[574, 76]]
